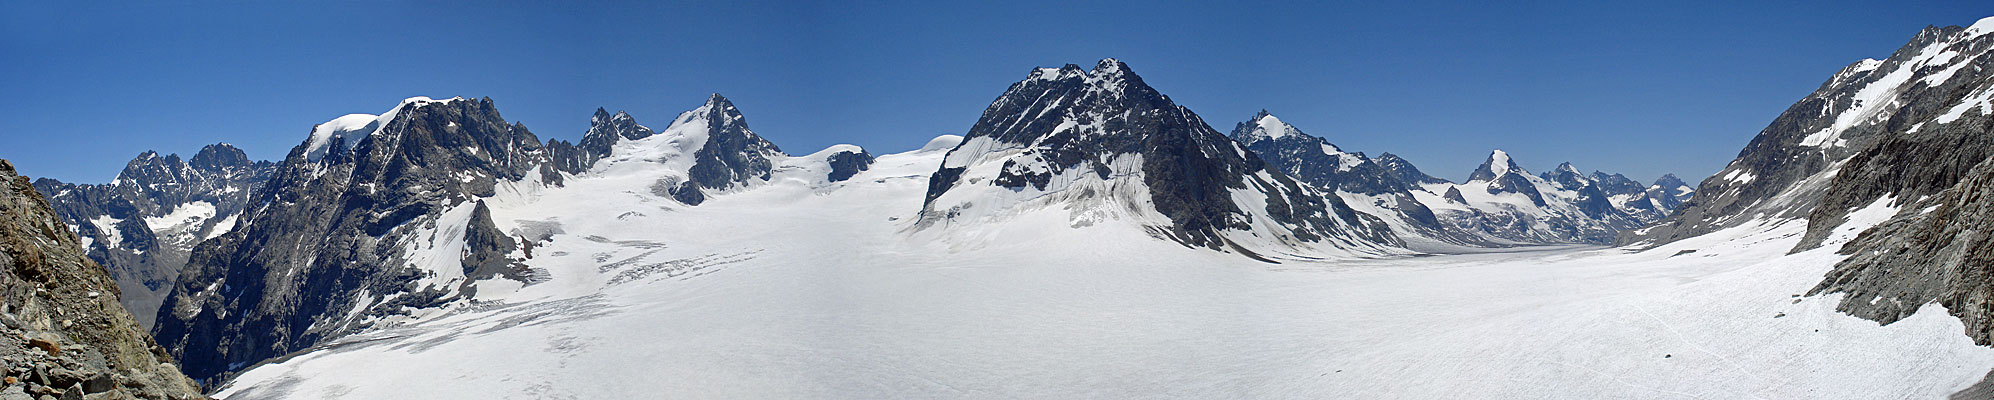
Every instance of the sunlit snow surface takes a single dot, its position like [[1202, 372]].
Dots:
[[808, 289]]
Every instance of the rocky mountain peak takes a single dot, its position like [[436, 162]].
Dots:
[[1617, 183], [219, 156], [148, 169], [1405, 171], [731, 155], [1669, 181], [1567, 177], [1062, 129], [605, 130]]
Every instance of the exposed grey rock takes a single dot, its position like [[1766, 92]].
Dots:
[[487, 250], [1909, 164], [844, 164], [731, 156], [1454, 195], [1936, 250]]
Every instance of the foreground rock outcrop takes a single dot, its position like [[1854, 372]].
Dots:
[[63, 333]]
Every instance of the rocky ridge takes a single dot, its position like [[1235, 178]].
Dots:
[[62, 330]]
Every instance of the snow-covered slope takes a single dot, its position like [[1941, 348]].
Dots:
[[814, 290], [1106, 148]]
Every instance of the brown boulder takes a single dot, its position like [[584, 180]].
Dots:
[[48, 346]]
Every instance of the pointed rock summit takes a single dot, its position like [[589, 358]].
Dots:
[[1405, 171]]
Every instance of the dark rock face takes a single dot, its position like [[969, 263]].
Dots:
[[1604, 196], [1912, 163], [1454, 195], [60, 315], [732, 153], [1785, 171], [142, 225], [1937, 248], [1945, 256], [605, 130], [1636, 200], [331, 231], [844, 164], [486, 250], [1405, 171], [1069, 119], [1516, 183]]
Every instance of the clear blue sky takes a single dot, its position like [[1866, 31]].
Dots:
[[1636, 87]]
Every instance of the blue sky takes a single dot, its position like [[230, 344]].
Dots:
[[1633, 87]]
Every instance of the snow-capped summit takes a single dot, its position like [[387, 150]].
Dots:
[[1265, 126], [339, 135], [1272, 139], [1103, 145], [1496, 166], [1405, 171]]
